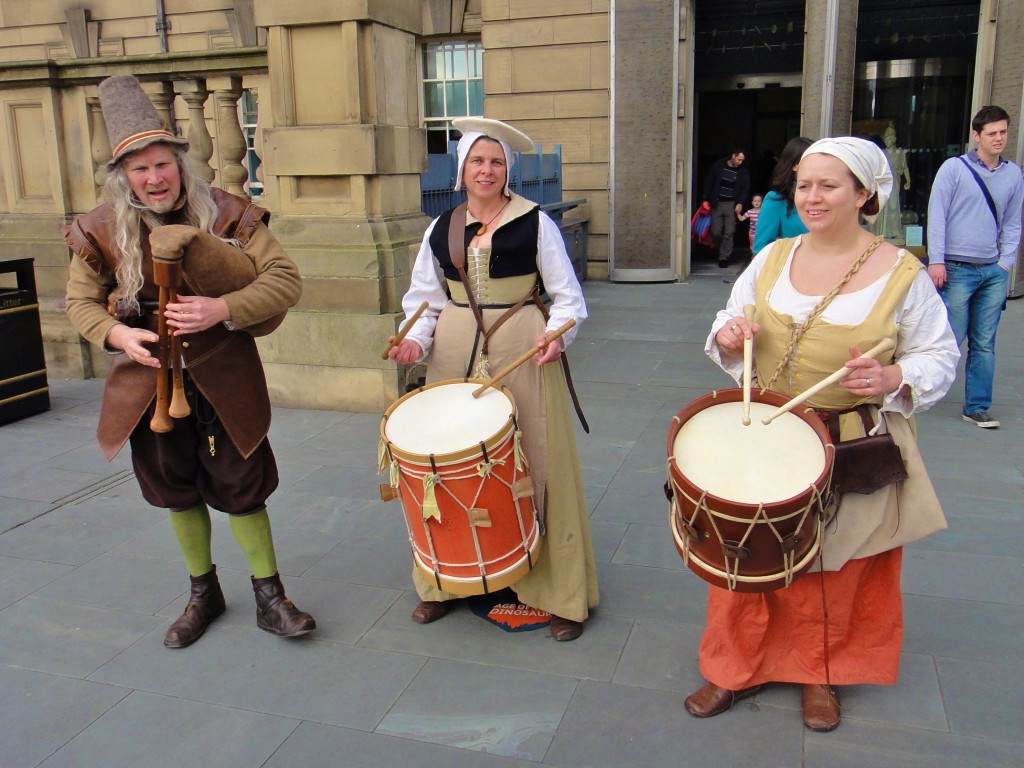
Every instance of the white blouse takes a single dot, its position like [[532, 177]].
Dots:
[[555, 269], [926, 349]]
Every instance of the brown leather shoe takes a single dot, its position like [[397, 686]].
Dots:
[[821, 708], [713, 700], [565, 630], [275, 613], [205, 603], [429, 610]]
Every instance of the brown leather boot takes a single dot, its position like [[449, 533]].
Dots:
[[821, 708], [565, 629], [711, 699], [277, 614], [205, 603], [428, 611]]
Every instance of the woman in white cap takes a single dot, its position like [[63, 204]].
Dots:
[[820, 300], [509, 245]]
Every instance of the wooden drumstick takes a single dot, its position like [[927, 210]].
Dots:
[[748, 362], [179, 404], [523, 358], [885, 345], [405, 329], [161, 421]]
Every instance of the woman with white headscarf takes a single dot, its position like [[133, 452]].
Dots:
[[820, 300], [510, 245]]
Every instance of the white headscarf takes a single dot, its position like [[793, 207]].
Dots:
[[864, 159], [466, 142]]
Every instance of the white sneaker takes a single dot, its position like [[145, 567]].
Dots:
[[982, 419]]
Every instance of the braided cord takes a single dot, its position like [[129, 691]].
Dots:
[[799, 331]]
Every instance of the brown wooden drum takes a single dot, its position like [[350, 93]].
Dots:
[[456, 463], [747, 503]]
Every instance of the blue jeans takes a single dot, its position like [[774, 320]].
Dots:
[[975, 295]]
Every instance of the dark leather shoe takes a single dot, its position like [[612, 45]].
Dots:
[[821, 708], [205, 603], [565, 630], [429, 610], [713, 700], [275, 613]]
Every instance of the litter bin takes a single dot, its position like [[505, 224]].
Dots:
[[23, 387]]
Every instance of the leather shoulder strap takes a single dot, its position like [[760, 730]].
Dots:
[[457, 236]]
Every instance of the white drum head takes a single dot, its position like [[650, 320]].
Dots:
[[446, 418], [751, 464]]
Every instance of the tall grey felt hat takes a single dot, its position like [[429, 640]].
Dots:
[[131, 118]]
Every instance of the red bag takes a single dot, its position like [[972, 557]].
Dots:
[[700, 226]]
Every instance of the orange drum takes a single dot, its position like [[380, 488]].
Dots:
[[455, 461], [747, 502]]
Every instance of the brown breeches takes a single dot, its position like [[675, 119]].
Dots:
[[197, 462]]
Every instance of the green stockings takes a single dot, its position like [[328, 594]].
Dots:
[[252, 532], [192, 527]]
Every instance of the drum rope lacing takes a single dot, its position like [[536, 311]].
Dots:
[[438, 484], [732, 576]]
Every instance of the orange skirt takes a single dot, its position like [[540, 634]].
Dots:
[[754, 638]]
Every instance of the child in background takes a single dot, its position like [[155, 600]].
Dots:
[[751, 216]]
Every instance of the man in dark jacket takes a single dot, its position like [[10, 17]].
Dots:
[[727, 194]]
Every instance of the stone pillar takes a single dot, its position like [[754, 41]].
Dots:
[[162, 96], [200, 146], [1000, 61], [257, 145], [100, 143], [830, 52], [230, 139], [342, 153]]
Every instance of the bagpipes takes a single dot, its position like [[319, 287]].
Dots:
[[208, 266]]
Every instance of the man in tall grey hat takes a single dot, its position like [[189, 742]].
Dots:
[[237, 283]]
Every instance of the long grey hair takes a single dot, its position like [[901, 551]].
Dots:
[[130, 214]]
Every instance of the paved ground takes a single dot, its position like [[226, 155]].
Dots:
[[91, 577]]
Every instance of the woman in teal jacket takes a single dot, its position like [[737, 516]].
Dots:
[[778, 217]]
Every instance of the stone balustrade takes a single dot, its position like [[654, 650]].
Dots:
[[57, 149]]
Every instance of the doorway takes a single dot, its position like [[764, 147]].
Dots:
[[757, 115]]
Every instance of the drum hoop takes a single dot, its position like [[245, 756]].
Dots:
[[768, 397], [805, 562], [506, 430]]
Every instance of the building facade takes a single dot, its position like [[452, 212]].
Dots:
[[324, 112]]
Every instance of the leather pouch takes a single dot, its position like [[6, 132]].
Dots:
[[865, 464]]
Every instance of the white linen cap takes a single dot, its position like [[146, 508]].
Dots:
[[473, 128], [864, 159]]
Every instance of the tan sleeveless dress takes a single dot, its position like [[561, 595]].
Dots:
[[564, 580]]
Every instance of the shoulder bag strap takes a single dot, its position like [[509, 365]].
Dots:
[[984, 191], [564, 360]]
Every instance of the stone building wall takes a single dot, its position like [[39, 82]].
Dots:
[[546, 70]]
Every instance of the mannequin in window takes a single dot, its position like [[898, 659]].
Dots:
[[889, 223]]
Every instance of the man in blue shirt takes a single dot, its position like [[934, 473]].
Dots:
[[974, 229]]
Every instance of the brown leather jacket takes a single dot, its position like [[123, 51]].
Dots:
[[224, 364]]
